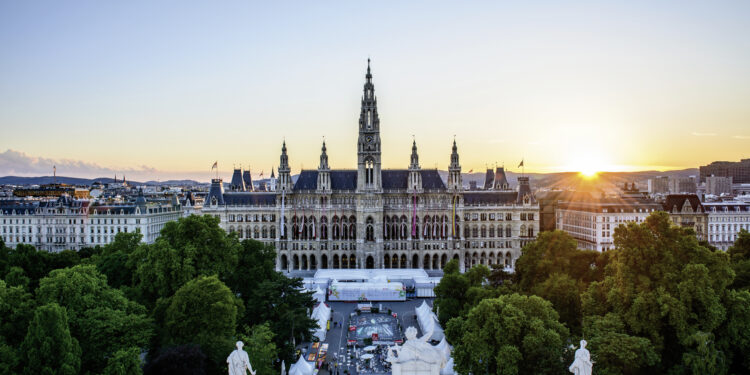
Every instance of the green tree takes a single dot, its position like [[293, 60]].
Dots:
[[256, 264], [740, 257], [190, 247], [101, 318], [511, 334], [666, 287], [17, 277], [33, 262], [124, 362], [203, 311], [450, 293], [49, 347], [556, 252], [16, 309], [113, 261], [565, 294], [4, 258], [286, 308], [614, 351], [261, 349]]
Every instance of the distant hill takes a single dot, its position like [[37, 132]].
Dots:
[[573, 180], [562, 180], [41, 180]]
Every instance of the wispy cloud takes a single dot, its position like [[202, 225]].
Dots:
[[17, 163], [699, 134], [741, 136]]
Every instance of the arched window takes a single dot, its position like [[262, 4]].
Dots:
[[507, 231], [369, 174], [370, 229]]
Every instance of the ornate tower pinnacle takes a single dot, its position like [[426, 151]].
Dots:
[[323, 158], [285, 179], [415, 175], [454, 170], [368, 143], [324, 175], [414, 156]]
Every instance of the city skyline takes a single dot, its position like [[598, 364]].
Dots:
[[160, 91]]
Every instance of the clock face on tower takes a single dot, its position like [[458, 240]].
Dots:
[[369, 139]]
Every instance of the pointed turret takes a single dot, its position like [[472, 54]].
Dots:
[[237, 184], [272, 182], [455, 182], [285, 178], [248, 180], [489, 179], [501, 181], [415, 175], [216, 192], [524, 191], [324, 175]]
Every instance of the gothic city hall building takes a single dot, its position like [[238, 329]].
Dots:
[[370, 217]]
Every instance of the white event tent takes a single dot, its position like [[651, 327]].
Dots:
[[302, 367], [428, 322], [321, 314]]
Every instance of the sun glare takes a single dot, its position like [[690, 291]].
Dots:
[[588, 166], [588, 172]]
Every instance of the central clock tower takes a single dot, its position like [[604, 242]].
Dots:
[[368, 143]]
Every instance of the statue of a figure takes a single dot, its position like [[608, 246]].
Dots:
[[238, 361], [582, 364]]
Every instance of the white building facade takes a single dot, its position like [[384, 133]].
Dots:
[[67, 224], [725, 220], [593, 224]]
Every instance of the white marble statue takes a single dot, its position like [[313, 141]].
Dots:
[[582, 364], [415, 356], [238, 361]]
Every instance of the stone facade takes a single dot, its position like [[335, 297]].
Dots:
[[371, 217]]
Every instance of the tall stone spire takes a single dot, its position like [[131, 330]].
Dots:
[[454, 170], [415, 175], [414, 156], [324, 175], [368, 144], [285, 178], [323, 157]]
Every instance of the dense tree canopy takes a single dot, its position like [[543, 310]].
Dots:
[[511, 334], [49, 348], [203, 311], [194, 263], [124, 362], [101, 318], [665, 287], [187, 248]]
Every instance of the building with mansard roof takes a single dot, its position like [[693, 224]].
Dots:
[[370, 217]]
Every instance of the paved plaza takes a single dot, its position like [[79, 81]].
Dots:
[[341, 357]]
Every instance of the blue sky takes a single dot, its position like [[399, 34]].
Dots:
[[161, 89]]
